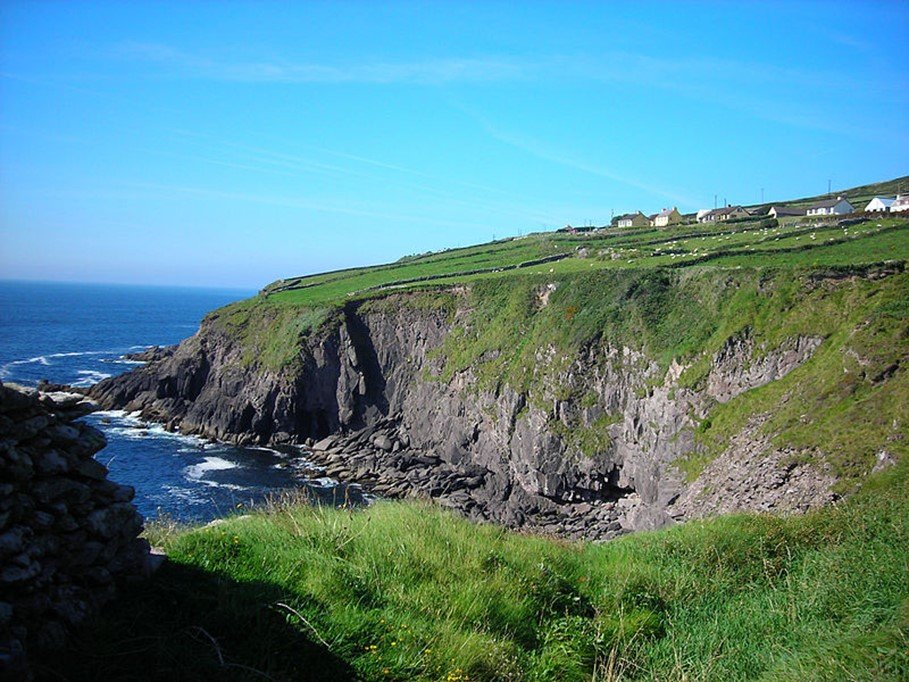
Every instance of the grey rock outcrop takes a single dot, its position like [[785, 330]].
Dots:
[[367, 392], [68, 535]]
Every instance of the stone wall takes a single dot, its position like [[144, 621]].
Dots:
[[68, 535]]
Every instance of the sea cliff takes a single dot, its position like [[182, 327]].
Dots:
[[587, 405]]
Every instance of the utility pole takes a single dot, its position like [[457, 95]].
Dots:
[[714, 202]]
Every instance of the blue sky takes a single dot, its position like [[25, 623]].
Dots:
[[229, 144]]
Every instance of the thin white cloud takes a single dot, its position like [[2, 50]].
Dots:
[[691, 74], [269, 160], [546, 152], [426, 72], [785, 95], [296, 202]]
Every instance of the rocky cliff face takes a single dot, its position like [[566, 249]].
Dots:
[[589, 453]]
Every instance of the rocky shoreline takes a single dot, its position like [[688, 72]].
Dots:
[[380, 459]]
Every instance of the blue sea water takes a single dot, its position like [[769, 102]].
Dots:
[[77, 334]]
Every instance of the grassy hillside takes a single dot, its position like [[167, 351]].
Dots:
[[409, 592], [754, 242], [858, 196]]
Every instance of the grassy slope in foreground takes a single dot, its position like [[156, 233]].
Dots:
[[404, 591]]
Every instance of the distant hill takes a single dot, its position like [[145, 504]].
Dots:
[[857, 196]]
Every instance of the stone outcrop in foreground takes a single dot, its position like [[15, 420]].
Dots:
[[68, 535]]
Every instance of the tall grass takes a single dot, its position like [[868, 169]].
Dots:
[[410, 592]]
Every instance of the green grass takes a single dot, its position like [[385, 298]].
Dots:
[[410, 592], [847, 403], [606, 249]]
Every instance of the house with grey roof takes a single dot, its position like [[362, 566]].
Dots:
[[725, 213], [633, 220], [838, 206], [880, 205], [785, 211], [900, 204]]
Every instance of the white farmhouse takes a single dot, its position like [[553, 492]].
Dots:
[[880, 204], [838, 206], [900, 204]]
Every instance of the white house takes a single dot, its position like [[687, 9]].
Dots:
[[668, 216], [881, 204], [838, 206], [901, 203]]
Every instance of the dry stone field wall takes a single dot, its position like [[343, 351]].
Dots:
[[68, 535]]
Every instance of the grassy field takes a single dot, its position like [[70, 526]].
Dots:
[[609, 247], [760, 242], [410, 592]]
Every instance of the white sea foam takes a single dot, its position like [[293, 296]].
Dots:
[[262, 448], [7, 367], [89, 377], [197, 471], [131, 426], [191, 495], [112, 414]]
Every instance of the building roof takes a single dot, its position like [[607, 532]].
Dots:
[[666, 212], [886, 201], [629, 216], [725, 210], [829, 203], [787, 210]]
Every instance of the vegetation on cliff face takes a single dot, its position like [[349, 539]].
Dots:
[[409, 592], [845, 402], [406, 591]]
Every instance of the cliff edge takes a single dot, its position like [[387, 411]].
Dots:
[[586, 404]]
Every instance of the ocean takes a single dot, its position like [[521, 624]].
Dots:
[[77, 334]]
